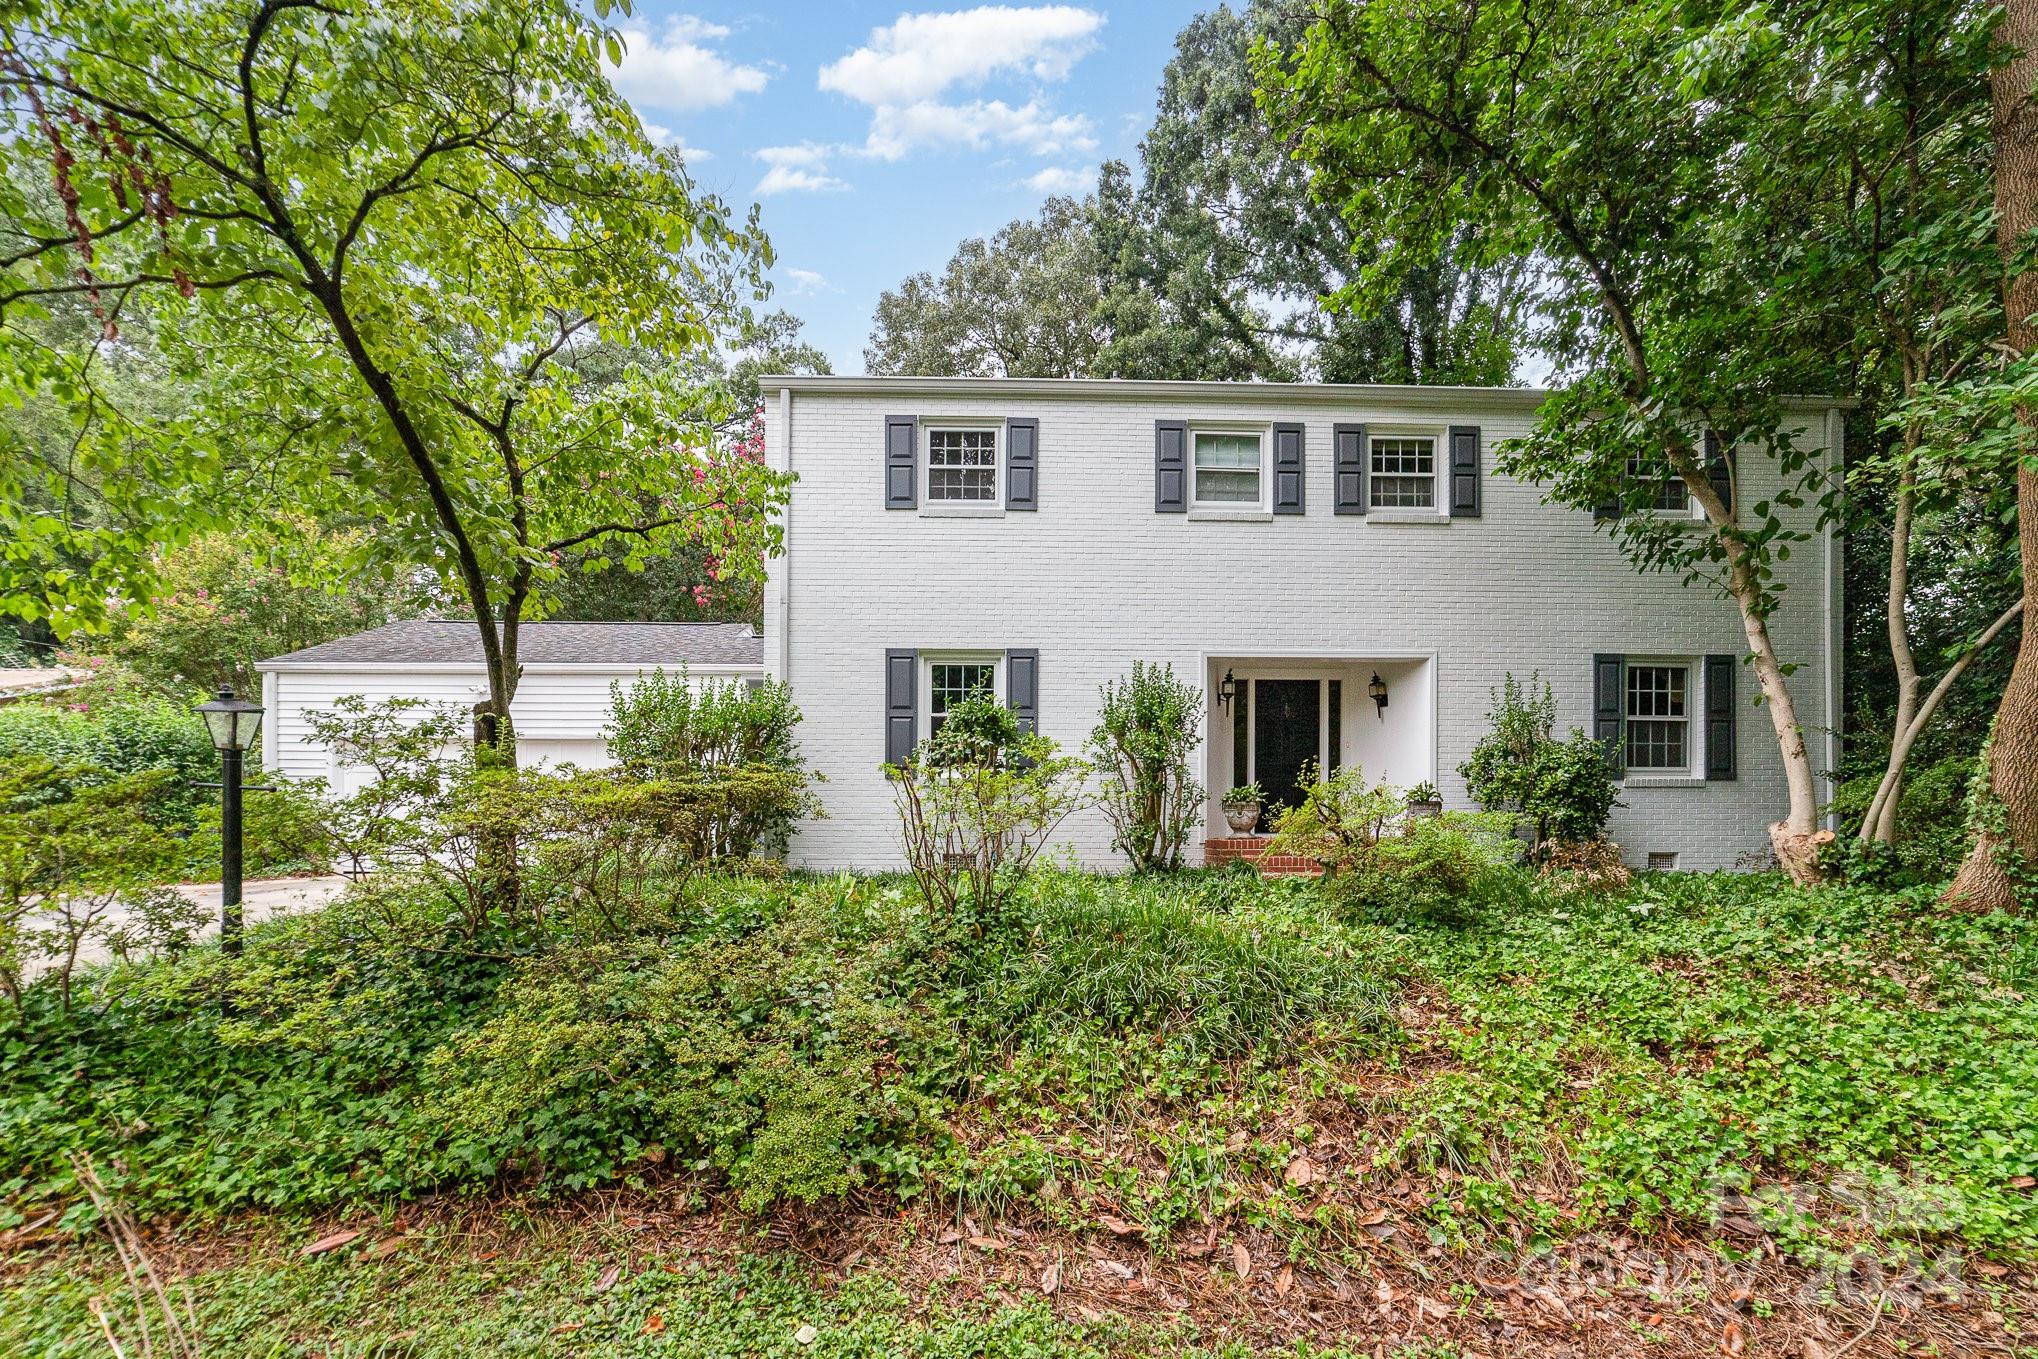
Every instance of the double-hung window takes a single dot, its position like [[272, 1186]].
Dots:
[[1665, 491], [1402, 474], [949, 682], [962, 466], [1228, 471], [1658, 718]]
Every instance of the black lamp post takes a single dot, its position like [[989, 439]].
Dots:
[[233, 723]]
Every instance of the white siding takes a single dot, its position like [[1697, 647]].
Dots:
[[1096, 579], [559, 713]]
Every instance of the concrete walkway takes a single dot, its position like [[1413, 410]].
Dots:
[[261, 899]]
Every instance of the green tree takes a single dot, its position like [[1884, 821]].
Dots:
[[1666, 211], [225, 600], [370, 237], [1021, 304]]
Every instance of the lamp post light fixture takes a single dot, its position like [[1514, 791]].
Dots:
[[1227, 689], [233, 723], [1377, 691]]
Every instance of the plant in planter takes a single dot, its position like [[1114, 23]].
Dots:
[[1425, 800], [1242, 807]]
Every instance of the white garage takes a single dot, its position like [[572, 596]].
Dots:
[[562, 702]]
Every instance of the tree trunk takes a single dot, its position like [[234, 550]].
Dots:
[[1879, 824], [2007, 836]]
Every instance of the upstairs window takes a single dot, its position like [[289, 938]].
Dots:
[[1659, 718], [1665, 494], [962, 466], [1403, 473], [1227, 469]]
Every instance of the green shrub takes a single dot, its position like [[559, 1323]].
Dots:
[[1377, 856], [1931, 825], [977, 801], [111, 728], [1148, 732], [666, 726], [1562, 790]]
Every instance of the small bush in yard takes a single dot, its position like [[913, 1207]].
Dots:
[[977, 801], [1149, 729], [1562, 790], [1377, 857]]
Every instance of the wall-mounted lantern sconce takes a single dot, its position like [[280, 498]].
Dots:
[[1227, 689], [1377, 690]]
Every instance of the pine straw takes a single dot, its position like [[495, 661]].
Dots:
[[1602, 1295]]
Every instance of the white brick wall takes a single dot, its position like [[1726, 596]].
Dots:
[[1095, 579]]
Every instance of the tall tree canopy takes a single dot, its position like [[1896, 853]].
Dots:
[[1210, 263], [1668, 164], [371, 235]]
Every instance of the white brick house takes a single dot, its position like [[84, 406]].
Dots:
[[1298, 540]]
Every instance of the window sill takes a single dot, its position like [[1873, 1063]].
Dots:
[[1407, 517], [1214, 515], [961, 509], [1662, 781]]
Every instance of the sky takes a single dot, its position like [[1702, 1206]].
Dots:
[[878, 138]]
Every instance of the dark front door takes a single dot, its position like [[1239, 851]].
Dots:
[[1286, 714]]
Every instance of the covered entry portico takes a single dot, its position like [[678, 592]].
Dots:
[[1274, 720]]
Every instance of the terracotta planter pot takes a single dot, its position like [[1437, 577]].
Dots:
[[1242, 816]]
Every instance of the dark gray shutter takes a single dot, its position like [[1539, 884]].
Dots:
[[1718, 470], [902, 462], [1170, 466], [1288, 469], [1348, 449], [902, 704], [1719, 716], [1464, 471], [1022, 687], [1609, 707], [1022, 464]]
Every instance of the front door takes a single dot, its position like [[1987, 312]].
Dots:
[[1287, 717]]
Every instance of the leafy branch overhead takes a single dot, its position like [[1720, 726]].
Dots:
[[372, 240]]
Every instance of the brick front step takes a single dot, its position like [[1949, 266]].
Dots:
[[1252, 849]]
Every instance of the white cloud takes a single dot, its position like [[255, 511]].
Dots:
[[1031, 127], [807, 282], [1058, 179], [796, 169], [905, 67], [675, 69], [921, 55], [665, 136]]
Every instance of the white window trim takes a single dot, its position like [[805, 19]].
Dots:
[[970, 656], [1439, 511], [930, 508], [1232, 510], [1693, 772]]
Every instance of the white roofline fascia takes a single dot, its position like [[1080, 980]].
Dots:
[[1325, 393], [530, 667]]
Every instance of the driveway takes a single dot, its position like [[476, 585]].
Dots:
[[261, 899]]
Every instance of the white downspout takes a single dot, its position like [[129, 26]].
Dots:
[[785, 561], [1835, 619]]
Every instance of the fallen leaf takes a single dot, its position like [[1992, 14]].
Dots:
[[654, 1323], [382, 1249], [1374, 1218], [567, 1327], [1813, 1349], [1300, 1171], [986, 1243], [608, 1278], [1118, 1226], [1740, 1298], [1731, 1340], [1993, 1271], [1284, 1281], [326, 1243], [1241, 1259], [654, 1153], [806, 1335], [950, 1237], [1050, 1280], [1113, 1267], [2022, 1181]]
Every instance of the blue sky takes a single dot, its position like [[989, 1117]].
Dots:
[[877, 138]]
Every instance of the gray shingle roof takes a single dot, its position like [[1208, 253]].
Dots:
[[441, 642]]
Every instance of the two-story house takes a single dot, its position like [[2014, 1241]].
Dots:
[[1340, 568]]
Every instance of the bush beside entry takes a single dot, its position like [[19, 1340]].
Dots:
[[1148, 730], [1563, 791]]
